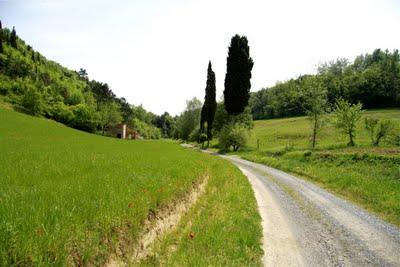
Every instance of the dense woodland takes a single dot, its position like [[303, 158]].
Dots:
[[372, 79], [42, 87]]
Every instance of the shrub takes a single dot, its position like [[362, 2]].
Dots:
[[32, 101], [75, 98], [85, 118], [194, 135], [378, 129], [61, 113], [234, 136], [145, 130], [347, 115]]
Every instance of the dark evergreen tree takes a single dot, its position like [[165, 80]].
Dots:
[[238, 74], [1, 39], [210, 103], [13, 38]]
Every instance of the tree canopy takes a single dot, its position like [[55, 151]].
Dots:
[[371, 79], [238, 74], [210, 103]]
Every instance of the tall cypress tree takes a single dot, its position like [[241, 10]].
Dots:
[[13, 38], [1, 38], [210, 103], [238, 74]]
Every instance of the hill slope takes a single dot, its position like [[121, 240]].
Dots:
[[69, 197]]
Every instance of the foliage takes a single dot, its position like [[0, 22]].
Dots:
[[62, 113], [222, 118], [146, 130], [189, 119], [210, 104], [347, 115], [316, 105], [85, 118], [238, 74], [371, 79], [377, 129], [109, 115], [167, 124], [32, 101], [233, 135], [13, 38]]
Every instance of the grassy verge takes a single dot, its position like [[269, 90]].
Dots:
[[219, 231], [69, 197]]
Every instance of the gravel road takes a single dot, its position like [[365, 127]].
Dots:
[[305, 225]]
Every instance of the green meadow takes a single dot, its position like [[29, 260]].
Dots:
[[72, 198], [364, 174]]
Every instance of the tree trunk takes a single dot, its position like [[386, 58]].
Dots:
[[314, 136], [351, 143]]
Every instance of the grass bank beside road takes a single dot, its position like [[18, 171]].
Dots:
[[72, 198]]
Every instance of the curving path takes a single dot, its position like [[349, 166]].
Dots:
[[305, 225]]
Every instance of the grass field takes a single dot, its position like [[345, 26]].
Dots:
[[68, 197], [294, 133], [369, 176]]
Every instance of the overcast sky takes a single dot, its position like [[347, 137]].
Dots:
[[155, 53]]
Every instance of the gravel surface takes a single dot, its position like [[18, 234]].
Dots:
[[304, 225]]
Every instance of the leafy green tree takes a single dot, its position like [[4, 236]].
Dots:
[[1, 39], [189, 119], [210, 104], [85, 118], [109, 115], [32, 101], [238, 75], [145, 130], [222, 118], [13, 38], [101, 91], [126, 110], [316, 105], [233, 136], [346, 117], [167, 124], [83, 74]]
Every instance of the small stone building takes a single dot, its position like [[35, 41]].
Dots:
[[122, 131]]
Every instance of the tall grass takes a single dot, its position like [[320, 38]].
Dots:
[[68, 197]]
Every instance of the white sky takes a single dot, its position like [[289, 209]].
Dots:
[[155, 53]]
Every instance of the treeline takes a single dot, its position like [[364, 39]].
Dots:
[[229, 120], [372, 80], [43, 87]]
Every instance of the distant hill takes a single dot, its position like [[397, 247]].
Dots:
[[42, 87]]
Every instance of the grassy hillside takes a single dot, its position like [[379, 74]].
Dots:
[[278, 134], [367, 175], [38, 86], [69, 197]]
